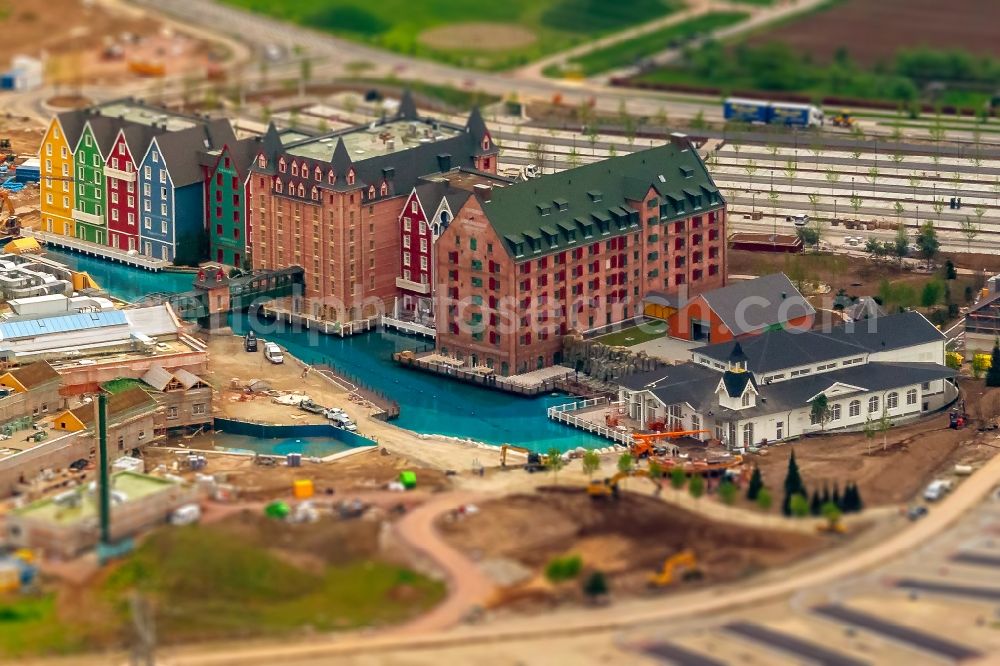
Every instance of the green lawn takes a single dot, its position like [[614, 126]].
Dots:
[[207, 583], [630, 51], [635, 335], [397, 25], [455, 97]]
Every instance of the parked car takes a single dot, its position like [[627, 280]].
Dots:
[[937, 489], [916, 512], [333, 413], [798, 220], [272, 353], [250, 342], [185, 515], [343, 421]]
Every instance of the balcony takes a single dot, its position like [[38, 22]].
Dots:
[[89, 218], [415, 287], [127, 176]]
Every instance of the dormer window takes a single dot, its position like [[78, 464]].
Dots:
[[315, 194], [262, 161], [277, 185], [371, 192], [350, 177], [281, 165], [384, 190], [318, 174], [295, 168], [302, 190], [330, 177], [486, 143]]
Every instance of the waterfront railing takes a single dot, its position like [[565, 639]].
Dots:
[[564, 414]]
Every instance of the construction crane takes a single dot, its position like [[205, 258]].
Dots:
[[642, 443], [684, 561]]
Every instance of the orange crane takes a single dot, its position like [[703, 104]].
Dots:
[[642, 443]]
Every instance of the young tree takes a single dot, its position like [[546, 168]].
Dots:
[[898, 208], [832, 176], [751, 168], [728, 492], [979, 366], [832, 514], [791, 168], [819, 410], [773, 197], [927, 241], [901, 245], [931, 294], [798, 506], [554, 462], [573, 158], [696, 486], [655, 470], [537, 150], [814, 202], [993, 374], [596, 585], [677, 478], [755, 485], [764, 499], [793, 485], [856, 202], [591, 463], [626, 463], [898, 159], [873, 174], [875, 248], [698, 122], [815, 505], [592, 139]]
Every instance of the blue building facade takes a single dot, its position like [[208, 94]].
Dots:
[[171, 212]]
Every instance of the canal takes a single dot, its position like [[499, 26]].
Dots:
[[428, 404]]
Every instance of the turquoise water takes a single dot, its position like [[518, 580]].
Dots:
[[319, 447], [427, 404]]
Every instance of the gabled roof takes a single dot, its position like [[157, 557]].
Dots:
[[181, 150], [775, 350], [188, 379], [105, 131], [751, 305], [138, 138], [736, 382], [674, 384], [597, 195], [864, 308], [72, 125], [158, 377], [121, 406], [35, 374]]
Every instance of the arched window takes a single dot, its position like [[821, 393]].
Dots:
[[892, 400], [315, 194], [911, 397], [384, 190], [330, 177], [746, 399], [318, 174], [873, 404], [835, 412], [277, 185], [350, 177], [854, 409], [302, 190], [295, 168], [371, 192], [281, 165]]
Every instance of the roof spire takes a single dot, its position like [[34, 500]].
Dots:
[[341, 159], [476, 125], [272, 140], [407, 107]]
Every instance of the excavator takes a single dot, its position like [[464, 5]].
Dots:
[[9, 225], [642, 443], [684, 563], [844, 119], [608, 488]]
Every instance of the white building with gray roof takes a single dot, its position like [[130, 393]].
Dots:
[[760, 389]]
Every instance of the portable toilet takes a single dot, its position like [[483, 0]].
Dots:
[[302, 488], [278, 510], [408, 478], [294, 459]]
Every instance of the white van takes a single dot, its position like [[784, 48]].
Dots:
[[272, 353], [937, 489], [185, 515], [800, 220]]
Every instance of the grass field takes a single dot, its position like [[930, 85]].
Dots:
[[634, 335], [407, 27], [630, 51]]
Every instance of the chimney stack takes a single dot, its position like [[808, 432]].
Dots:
[[483, 191]]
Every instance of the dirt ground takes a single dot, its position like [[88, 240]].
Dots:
[[915, 454], [481, 36], [627, 539], [368, 471], [873, 31], [73, 33]]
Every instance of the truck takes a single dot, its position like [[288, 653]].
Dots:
[[772, 113]]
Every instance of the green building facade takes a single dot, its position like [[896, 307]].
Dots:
[[90, 208], [226, 212]]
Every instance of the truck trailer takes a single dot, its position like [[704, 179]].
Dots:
[[772, 113]]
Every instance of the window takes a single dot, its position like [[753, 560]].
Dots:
[[854, 408], [163, 227], [199, 408], [779, 430], [163, 176], [911, 397], [156, 156], [747, 434], [873, 404], [147, 223], [147, 172], [171, 412], [892, 400], [746, 398], [406, 224], [472, 243], [835, 412]]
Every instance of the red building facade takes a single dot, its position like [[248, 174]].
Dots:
[[523, 265], [122, 196]]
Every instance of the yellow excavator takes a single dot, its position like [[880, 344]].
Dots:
[[608, 488], [683, 563]]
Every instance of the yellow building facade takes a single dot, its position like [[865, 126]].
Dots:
[[56, 186]]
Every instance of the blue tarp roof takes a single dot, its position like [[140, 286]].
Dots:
[[14, 330]]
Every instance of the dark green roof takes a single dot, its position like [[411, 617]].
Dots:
[[576, 207]]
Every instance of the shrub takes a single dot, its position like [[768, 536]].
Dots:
[[563, 568]]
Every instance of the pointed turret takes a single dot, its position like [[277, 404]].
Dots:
[[476, 127], [272, 141], [407, 107], [341, 159], [737, 359]]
